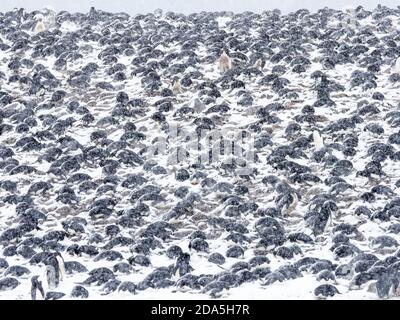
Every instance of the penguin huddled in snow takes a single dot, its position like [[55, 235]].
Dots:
[[287, 203]]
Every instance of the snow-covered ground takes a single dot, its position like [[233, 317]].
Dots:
[[83, 103]]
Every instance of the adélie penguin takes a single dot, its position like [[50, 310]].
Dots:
[[37, 291]]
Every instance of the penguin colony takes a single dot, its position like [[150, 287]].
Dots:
[[86, 214]]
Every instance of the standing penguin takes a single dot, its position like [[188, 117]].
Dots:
[[52, 277], [176, 86], [37, 285], [182, 265], [51, 15], [53, 274], [40, 26], [318, 140], [198, 106], [397, 66], [293, 204], [259, 64], [61, 265], [225, 63], [158, 13], [383, 286], [55, 269]]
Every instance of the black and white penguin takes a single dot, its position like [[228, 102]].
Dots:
[[182, 265], [37, 287], [52, 277], [61, 265], [55, 270]]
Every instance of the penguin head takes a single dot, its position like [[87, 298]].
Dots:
[[39, 17]]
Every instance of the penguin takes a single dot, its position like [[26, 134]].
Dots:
[[37, 287], [50, 16], [176, 87], [397, 66], [40, 26], [225, 63], [318, 140], [292, 206], [259, 64], [52, 277], [198, 106], [61, 265], [182, 265], [158, 13], [55, 270], [383, 286], [288, 203]]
